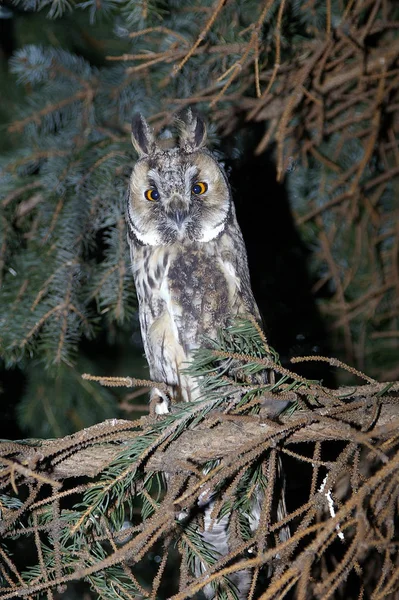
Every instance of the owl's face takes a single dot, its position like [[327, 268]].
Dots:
[[176, 195]]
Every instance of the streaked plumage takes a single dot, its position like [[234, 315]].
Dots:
[[191, 275], [188, 256]]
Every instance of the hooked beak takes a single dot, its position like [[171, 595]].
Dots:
[[179, 216], [178, 212]]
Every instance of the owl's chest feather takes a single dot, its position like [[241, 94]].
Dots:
[[196, 285]]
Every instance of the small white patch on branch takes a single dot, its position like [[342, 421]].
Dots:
[[331, 507]]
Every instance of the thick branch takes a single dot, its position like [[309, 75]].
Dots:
[[88, 452]]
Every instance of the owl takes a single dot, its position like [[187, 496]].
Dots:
[[188, 255], [191, 275]]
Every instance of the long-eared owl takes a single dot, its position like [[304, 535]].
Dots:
[[188, 255], [191, 274]]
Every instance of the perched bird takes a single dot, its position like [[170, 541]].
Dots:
[[191, 275], [188, 255]]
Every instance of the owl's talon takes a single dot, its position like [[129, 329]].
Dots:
[[159, 402]]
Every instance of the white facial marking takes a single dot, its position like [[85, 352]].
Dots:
[[209, 233], [188, 178], [153, 174], [151, 238]]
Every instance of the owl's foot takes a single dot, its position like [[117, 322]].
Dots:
[[159, 402]]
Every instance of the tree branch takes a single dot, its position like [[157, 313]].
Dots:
[[91, 450]]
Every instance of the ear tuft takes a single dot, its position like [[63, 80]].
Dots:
[[142, 137], [192, 131]]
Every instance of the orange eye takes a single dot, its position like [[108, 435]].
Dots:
[[152, 194], [199, 188]]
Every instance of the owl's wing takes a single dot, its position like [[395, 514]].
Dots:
[[233, 261]]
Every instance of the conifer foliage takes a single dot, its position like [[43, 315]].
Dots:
[[321, 76], [320, 80], [92, 506]]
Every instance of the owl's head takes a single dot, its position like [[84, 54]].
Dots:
[[178, 194]]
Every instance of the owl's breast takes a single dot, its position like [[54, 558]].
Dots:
[[206, 284], [199, 285], [186, 292], [200, 289]]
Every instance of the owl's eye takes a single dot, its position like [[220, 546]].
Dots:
[[152, 194], [199, 188]]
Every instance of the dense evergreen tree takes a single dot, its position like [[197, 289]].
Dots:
[[302, 104], [319, 84]]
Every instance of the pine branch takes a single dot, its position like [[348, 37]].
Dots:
[[216, 443]]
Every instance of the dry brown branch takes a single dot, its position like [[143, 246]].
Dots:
[[363, 419]]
